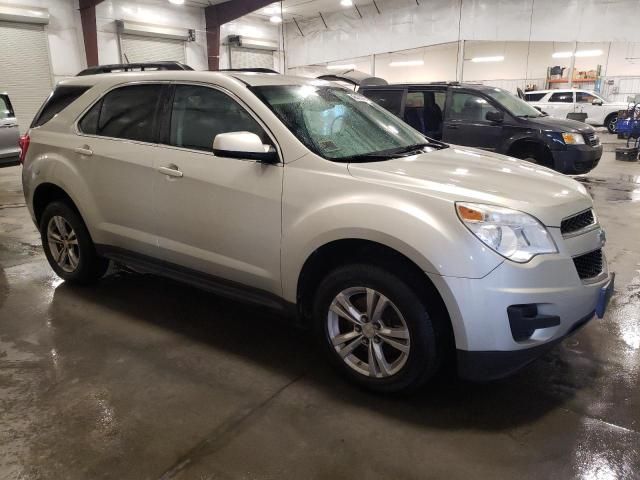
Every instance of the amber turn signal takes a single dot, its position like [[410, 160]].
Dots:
[[469, 214]]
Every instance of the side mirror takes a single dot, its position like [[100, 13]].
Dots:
[[243, 145], [596, 101], [494, 116]]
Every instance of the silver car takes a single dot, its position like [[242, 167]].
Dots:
[[400, 252], [9, 133]]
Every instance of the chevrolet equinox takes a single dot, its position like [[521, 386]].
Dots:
[[401, 252]]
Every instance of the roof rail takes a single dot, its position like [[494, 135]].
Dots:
[[131, 67], [254, 70]]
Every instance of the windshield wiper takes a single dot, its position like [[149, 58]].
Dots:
[[419, 146]]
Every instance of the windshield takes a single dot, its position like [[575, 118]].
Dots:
[[515, 105], [338, 124]]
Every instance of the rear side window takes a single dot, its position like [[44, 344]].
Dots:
[[128, 113], [60, 99], [562, 97], [533, 97], [6, 110], [388, 99]]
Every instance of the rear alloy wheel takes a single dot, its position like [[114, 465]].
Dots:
[[68, 245], [377, 330], [63, 244], [611, 123]]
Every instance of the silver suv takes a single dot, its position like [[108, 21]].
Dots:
[[400, 251], [9, 133]]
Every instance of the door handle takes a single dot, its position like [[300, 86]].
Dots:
[[86, 151], [452, 127], [170, 171]]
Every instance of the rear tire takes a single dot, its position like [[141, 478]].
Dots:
[[610, 123], [391, 340], [68, 245]]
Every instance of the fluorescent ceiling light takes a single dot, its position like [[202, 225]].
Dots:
[[346, 3], [562, 54], [406, 63], [349, 66], [588, 53], [177, 2], [272, 9], [275, 19], [497, 58]]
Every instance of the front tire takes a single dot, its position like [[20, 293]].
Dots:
[[377, 330], [68, 245]]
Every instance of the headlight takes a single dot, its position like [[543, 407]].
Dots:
[[514, 235], [573, 138]]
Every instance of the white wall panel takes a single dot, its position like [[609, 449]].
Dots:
[[405, 25]]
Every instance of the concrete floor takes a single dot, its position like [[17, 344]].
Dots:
[[140, 378]]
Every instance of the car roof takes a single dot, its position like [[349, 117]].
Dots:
[[471, 86], [248, 78]]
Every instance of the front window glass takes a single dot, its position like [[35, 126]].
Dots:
[[469, 107], [201, 113], [514, 105], [586, 97], [338, 124]]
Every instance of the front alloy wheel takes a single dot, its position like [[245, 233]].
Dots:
[[612, 124], [379, 326], [368, 332]]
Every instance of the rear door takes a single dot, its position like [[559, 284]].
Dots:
[[424, 110], [114, 153], [560, 103], [465, 120], [9, 133]]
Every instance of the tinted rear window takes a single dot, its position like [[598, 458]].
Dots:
[[390, 100], [6, 110], [128, 112], [533, 97], [60, 99]]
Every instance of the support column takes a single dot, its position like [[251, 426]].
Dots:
[[89, 30], [217, 15]]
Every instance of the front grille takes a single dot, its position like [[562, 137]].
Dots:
[[577, 222], [591, 139], [589, 265]]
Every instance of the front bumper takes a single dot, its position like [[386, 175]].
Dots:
[[577, 159], [493, 365], [488, 345]]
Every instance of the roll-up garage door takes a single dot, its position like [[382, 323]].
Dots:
[[25, 73], [138, 48], [251, 58]]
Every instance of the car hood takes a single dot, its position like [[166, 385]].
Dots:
[[468, 174], [555, 124]]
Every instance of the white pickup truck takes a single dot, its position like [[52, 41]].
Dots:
[[560, 102]]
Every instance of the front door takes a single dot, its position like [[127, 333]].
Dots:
[[217, 215], [466, 121], [584, 104]]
